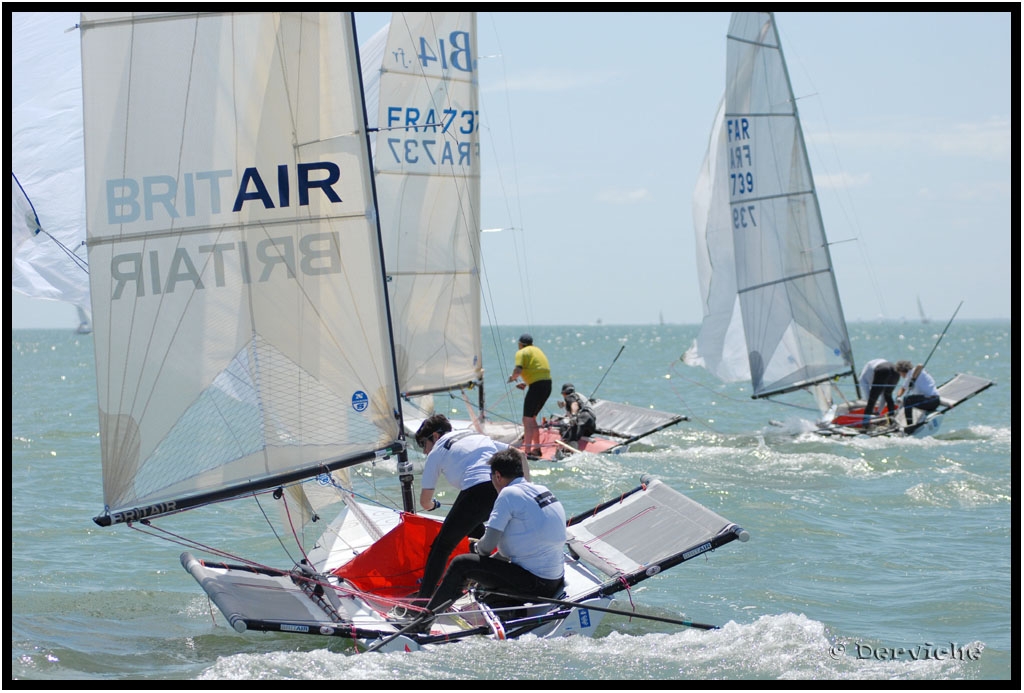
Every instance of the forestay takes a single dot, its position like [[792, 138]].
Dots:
[[241, 325]]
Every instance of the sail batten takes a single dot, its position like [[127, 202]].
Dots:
[[241, 328], [782, 280]]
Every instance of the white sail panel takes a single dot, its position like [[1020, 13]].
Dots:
[[241, 326], [792, 318], [371, 55], [720, 347], [428, 186], [46, 157]]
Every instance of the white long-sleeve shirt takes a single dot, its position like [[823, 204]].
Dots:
[[867, 375], [923, 386]]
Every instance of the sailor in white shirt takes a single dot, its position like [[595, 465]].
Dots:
[[463, 457], [526, 526], [867, 376], [919, 390]]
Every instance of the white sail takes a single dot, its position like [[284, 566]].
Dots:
[[721, 346], [241, 326], [46, 159], [84, 322], [792, 318], [428, 186]]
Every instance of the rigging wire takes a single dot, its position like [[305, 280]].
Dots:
[[521, 266], [845, 204]]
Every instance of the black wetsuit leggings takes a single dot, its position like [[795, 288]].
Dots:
[[466, 519]]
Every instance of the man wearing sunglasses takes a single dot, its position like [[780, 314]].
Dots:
[[464, 459]]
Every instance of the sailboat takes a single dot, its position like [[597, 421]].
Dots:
[[84, 323], [427, 167], [920, 311], [772, 312], [245, 350]]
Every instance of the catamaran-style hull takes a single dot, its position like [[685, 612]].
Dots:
[[618, 426], [609, 548], [848, 421]]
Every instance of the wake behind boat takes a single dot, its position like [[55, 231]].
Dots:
[[772, 312], [244, 343]]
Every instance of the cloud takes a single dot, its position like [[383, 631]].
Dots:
[[554, 81], [624, 197], [985, 192], [841, 181], [985, 140], [988, 140]]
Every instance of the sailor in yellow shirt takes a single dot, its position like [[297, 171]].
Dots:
[[532, 366]]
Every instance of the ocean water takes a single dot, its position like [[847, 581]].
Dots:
[[869, 558]]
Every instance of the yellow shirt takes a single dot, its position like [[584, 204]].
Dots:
[[534, 364]]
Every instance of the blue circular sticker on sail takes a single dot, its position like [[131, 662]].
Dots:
[[360, 401]]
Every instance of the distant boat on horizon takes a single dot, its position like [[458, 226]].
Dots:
[[84, 323]]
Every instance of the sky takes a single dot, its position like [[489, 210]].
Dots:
[[596, 125]]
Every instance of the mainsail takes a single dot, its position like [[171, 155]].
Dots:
[[241, 328], [427, 167], [792, 319]]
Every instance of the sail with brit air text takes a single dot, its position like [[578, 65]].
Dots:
[[241, 327]]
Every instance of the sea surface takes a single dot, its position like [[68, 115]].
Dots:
[[869, 558]]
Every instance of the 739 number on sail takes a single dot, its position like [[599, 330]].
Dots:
[[743, 216]]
